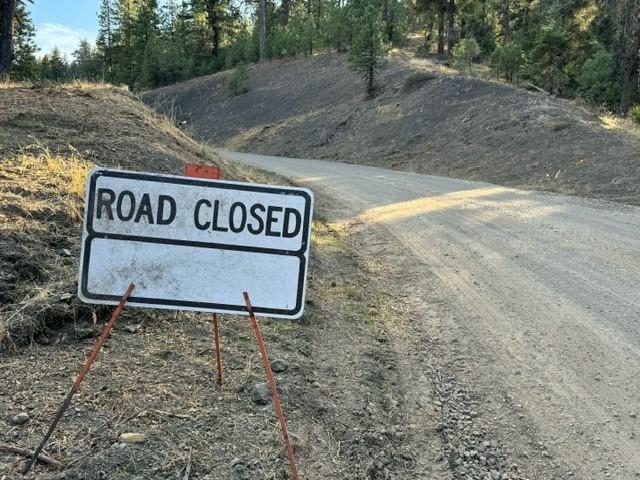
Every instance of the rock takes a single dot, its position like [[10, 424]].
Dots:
[[20, 419], [133, 328], [261, 394], [132, 437], [278, 366]]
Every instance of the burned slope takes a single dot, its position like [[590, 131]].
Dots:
[[423, 121]]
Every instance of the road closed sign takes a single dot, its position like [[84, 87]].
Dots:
[[195, 244]]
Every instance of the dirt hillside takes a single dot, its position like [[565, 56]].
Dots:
[[426, 120], [350, 411]]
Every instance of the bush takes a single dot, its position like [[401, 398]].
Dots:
[[507, 60], [634, 114], [464, 52], [597, 80], [238, 80]]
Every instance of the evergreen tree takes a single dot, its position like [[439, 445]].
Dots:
[[53, 66], [104, 42], [86, 63], [24, 48], [368, 50]]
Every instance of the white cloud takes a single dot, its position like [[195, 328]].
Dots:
[[50, 35]]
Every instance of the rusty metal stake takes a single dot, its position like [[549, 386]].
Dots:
[[83, 372], [274, 390], [216, 336]]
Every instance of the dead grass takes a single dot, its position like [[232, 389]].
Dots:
[[41, 197]]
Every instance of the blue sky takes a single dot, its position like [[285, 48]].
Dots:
[[63, 23]]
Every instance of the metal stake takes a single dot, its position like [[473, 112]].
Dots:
[[216, 336], [83, 372], [274, 390]]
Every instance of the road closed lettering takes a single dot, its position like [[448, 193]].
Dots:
[[195, 244]]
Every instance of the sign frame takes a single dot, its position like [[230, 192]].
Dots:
[[89, 234]]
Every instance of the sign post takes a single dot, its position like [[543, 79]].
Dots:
[[212, 173]]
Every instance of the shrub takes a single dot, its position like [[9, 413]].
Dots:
[[634, 114], [238, 80], [597, 80], [507, 60], [464, 52]]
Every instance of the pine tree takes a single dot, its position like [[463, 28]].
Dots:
[[24, 48], [85, 65], [104, 42], [368, 51]]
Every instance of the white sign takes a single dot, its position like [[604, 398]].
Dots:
[[195, 244]]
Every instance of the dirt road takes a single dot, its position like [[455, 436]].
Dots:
[[531, 300]]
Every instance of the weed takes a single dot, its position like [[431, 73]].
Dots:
[[634, 114]]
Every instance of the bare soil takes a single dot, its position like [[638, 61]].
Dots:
[[346, 399], [425, 119]]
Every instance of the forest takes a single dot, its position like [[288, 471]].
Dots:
[[569, 48]]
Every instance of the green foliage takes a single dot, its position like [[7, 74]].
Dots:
[[507, 60], [368, 50], [24, 48], [549, 57], [86, 63], [634, 114], [238, 81], [597, 80], [53, 67], [465, 51]]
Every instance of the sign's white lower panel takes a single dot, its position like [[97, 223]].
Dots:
[[199, 278]]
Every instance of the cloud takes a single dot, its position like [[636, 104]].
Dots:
[[50, 35]]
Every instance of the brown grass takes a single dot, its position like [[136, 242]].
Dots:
[[41, 197]]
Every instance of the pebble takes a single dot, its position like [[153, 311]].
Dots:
[[261, 394], [20, 419], [133, 328], [132, 437], [279, 365]]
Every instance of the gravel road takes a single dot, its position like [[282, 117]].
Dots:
[[541, 295]]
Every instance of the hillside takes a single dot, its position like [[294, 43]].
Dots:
[[425, 120]]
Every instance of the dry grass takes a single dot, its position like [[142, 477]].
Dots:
[[41, 197], [74, 85]]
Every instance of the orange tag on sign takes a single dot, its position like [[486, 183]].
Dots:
[[202, 171]]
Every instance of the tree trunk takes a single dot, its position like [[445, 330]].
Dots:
[[7, 10], [451, 31], [629, 50], [506, 21], [214, 20], [285, 9], [262, 21], [441, 32]]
